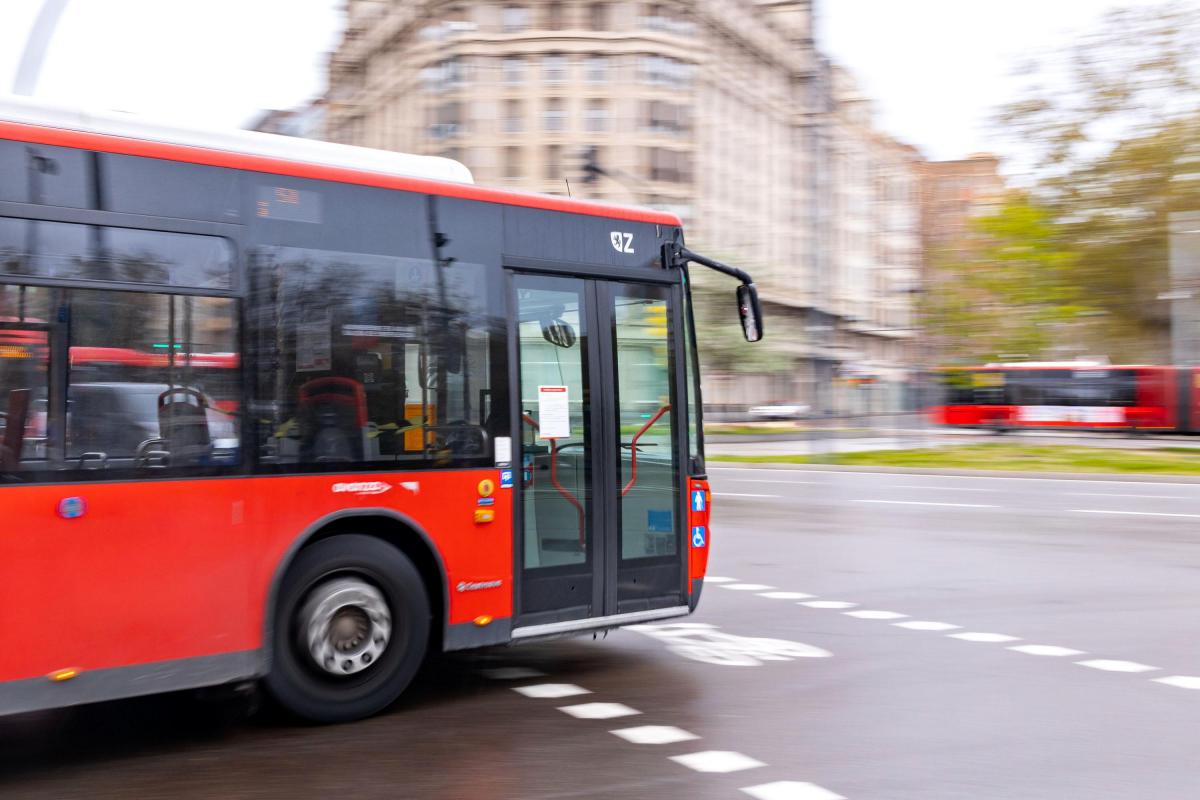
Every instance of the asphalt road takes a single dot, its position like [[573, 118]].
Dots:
[[853, 642]]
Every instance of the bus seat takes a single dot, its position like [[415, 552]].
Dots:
[[333, 420]]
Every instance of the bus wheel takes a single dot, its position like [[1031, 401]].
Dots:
[[350, 630]]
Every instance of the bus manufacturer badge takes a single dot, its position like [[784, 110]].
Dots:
[[72, 507], [622, 242], [362, 488], [698, 536], [697, 500], [475, 586]]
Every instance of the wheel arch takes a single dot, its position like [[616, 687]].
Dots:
[[393, 527]]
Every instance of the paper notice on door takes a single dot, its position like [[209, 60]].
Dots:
[[554, 412]]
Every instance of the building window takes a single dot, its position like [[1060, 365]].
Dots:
[[661, 117], [514, 118], [554, 17], [555, 115], [668, 166], [514, 71], [554, 166], [554, 68], [447, 120], [512, 162], [666, 71], [595, 116], [598, 16], [596, 69], [514, 19]]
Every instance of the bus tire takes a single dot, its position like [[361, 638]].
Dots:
[[351, 629]]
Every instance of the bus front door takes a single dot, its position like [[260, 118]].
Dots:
[[599, 509]]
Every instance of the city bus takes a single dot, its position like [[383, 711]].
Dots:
[[1070, 395], [450, 417]]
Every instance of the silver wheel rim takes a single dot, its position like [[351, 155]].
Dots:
[[346, 624]]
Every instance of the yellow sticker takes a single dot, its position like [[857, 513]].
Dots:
[[486, 487]]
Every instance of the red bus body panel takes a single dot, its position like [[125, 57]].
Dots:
[[171, 569]]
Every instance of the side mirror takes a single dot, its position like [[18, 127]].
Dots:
[[750, 311], [558, 333]]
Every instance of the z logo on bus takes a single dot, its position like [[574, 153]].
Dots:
[[362, 487], [622, 242]]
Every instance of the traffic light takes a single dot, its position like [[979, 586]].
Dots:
[[591, 165]]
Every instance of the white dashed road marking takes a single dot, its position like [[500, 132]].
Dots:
[[1180, 681], [654, 734], [718, 579], [738, 494], [551, 690], [828, 604], [922, 503], [1045, 650], [925, 625], [745, 587], [790, 790], [1133, 513], [786, 595], [599, 710], [875, 614], [975, 636], [717, 761], [1109, 665]]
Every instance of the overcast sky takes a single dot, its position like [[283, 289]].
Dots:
[[935, 67]]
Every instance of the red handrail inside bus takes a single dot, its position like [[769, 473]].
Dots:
[[633, 447], [562, 490]]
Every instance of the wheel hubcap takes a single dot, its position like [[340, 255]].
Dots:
[[346, 625]]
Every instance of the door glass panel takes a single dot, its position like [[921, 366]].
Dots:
[[24, 380], [555, 441], [647, 468]]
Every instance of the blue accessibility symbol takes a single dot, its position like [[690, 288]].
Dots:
[[698, 536], [697, 500], [506, 478]]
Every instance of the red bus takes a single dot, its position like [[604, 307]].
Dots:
[[455, 417], [1070, 396]]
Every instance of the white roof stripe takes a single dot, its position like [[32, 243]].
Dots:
[[268, 145]]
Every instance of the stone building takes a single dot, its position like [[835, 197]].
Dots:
[[721, 111]]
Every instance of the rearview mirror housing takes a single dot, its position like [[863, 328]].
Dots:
[[750, 312]]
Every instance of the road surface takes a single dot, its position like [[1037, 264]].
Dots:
[[864, 635]]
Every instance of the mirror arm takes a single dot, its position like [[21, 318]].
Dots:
[[681, 253]]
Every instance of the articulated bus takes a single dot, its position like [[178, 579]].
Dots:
[[300, 412], [1070, 395]]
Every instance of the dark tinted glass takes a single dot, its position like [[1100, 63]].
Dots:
[[170, 189], [53, 176], [68, 250], [143, 391], [24, 380], [375, 359]]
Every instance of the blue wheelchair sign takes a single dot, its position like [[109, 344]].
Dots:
[[698, 536]]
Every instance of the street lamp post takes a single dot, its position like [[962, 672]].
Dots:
[[36, 45]]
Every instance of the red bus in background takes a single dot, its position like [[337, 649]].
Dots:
[[1069, 396], [293, 411]]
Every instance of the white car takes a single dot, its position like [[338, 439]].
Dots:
[[780, 411]]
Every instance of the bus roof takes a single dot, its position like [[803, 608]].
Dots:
[[34, 121]]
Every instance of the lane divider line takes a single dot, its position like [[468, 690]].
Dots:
[[717, 761], [926, 625], [1180, 681], [924, 503], [551, 690], [790, 790], [979, 636], [875, 614], [1133, 513], [654, 734], [599, 710], [745, 587], [837, 604], [786, 595], [1111, 665], [1054, 651]]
